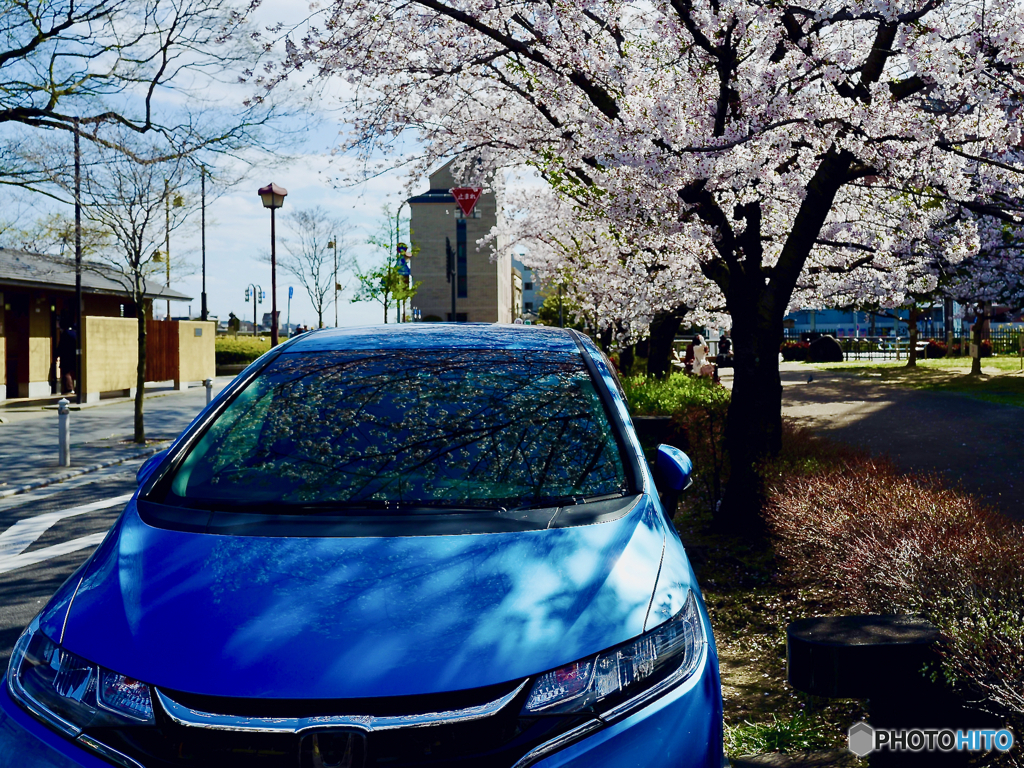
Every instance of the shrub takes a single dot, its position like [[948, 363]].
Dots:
[[794, 350], [649, 396], [236, 351], [986, 348], [698, 408], [935, 349], [897, 543]]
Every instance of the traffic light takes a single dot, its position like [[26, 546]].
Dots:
[[247, 295]]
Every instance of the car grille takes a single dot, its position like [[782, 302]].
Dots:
[[500, 740]]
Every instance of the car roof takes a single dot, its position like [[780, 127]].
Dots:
[[438, 336]]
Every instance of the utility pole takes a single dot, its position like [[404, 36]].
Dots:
[[333, 244], [452, 276], [204, 314], [167, 239], [78, 266]]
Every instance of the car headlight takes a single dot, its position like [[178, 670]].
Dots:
[[70, 693], [627, 675]]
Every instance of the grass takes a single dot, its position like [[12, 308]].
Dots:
[[788, 734], [1001, 380], [649, 396], [232, 350]]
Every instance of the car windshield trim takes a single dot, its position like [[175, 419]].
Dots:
[[424, 506]]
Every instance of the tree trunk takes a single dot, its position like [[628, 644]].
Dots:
[[979, 321], [912, 328], [140, 375], [626, 359], [754, 428], [663, 332]]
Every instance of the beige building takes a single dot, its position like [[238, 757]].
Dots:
[[37, 295], [484, 288]]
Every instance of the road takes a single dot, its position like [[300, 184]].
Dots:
[[28, 438], [46, 534]]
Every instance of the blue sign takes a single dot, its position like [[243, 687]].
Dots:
[[291, 291]]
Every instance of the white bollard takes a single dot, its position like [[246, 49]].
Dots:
[[208, 383], [64, 431]]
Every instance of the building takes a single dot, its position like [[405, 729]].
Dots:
[[483, 288], [843, 323], [531, 287], [36, 292]]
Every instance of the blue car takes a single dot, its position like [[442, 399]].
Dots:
[[416, 545]]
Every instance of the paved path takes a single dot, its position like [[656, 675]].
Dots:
[[46, 534], [99, 435], [972, 442]]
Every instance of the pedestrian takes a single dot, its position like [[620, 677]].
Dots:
[[725, 351], [688, 358], [701, 364], [67, 355]]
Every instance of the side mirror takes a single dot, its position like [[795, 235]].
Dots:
[[148, 466], [673, 474]]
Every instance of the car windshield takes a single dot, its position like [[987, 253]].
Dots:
[[406, 430]]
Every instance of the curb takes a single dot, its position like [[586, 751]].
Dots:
[[81, 471]]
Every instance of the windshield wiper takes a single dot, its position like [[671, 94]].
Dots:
[[563, 501]]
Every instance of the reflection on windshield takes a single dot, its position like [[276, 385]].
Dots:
[[406, 428]]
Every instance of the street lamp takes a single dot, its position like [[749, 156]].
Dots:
[[333, 243], [273, 198]]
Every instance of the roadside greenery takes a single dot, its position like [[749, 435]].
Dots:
[[786, 734], [650, 396], [230, 350]]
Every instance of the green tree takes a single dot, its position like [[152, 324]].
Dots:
[[387, 285], [384, 283]]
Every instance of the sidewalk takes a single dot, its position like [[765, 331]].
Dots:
[[101, 435]]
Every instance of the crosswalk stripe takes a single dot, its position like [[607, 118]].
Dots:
[[23, 533], [12, 562]]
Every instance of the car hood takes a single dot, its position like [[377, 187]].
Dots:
[[247, 616]]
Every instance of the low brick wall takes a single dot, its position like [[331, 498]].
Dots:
[[110, 354]]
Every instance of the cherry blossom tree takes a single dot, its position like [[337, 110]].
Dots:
[[752, 140], [620, 291]]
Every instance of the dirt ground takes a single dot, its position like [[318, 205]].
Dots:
[[974, 443]]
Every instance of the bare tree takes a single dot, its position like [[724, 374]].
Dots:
[[108, 66], [126, 199], [315, 253]]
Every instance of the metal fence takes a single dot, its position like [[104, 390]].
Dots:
[[1000, 341]]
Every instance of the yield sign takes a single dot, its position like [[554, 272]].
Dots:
[[466, 197]]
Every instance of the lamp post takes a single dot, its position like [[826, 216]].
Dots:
[[334, 244], [257, 294], [178, 203], [273, 198], [79, 325], [204, 313]]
